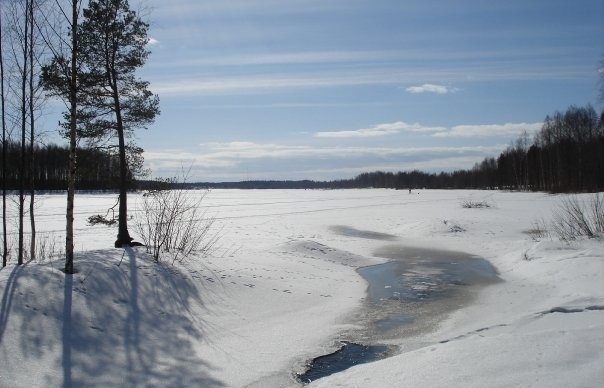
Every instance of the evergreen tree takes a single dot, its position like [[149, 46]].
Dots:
[[114, 102]]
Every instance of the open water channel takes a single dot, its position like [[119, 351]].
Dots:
[[407, 295]]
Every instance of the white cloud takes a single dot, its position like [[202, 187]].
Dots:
[[480, 130], [430, 88], [176, 159], [379, 130], [229, 154], [190, 82], [227, 159], [490, 130], [282, 58], [268, 82], [232, 160]]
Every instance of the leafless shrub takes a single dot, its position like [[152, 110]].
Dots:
[[597, 211], [539, 230], [470, 204], [171, 222], [575, 219], [453, 227], [49, 246]]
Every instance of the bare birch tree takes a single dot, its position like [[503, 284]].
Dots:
[[60, 78], [4, 140]]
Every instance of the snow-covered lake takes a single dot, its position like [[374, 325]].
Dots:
[[282, 287]]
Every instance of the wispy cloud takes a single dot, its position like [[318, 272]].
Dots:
[[191, 83], [227, 159], [185, 8], [490, 130], [430, 88], [379, 130], [264, 83], [231, 160], [283, 58], [229, 153]]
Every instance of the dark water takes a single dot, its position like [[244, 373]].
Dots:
[[350, 354], [406, 296]]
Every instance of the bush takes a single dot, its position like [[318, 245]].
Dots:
[[171, 221], [99, 219], [48, 247], [539, 230], [469, 204], [453, 227], [575, 219]]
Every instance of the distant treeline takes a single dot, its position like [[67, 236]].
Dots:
[[566, 155], [97, 168]]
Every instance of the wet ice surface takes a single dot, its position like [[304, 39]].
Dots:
[[406, 296]]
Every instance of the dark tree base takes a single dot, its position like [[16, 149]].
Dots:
[[119, 243]]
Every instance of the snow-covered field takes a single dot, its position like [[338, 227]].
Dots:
[[281, 288]]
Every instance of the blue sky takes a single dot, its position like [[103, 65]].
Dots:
[[326, 89]]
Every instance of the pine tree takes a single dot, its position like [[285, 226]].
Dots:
[[113, 40]]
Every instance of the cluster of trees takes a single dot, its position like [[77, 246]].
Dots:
[[97, 169], [566, 155], [86, 54]]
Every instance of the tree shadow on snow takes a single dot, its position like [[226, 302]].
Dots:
[[130, 324], [8, 296]]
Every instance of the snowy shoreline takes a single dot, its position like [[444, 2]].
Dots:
[[282, 287]]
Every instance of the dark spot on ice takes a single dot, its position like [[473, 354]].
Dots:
[[348, 231], [566, 310], [595, 308]]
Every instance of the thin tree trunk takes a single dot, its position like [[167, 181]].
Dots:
[[32, 166], [123, 236], [72, 141], [4, 234], [21, 253]]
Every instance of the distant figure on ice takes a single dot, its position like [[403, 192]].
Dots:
[[409, 190]]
